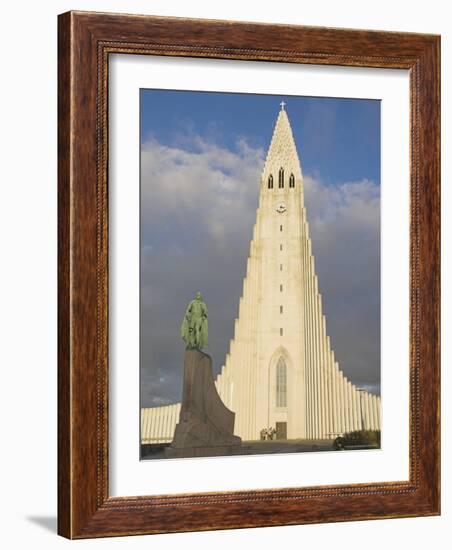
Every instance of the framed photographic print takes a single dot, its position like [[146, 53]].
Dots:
[[248, 275]]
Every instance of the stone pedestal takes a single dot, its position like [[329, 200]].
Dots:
[[206, 425]]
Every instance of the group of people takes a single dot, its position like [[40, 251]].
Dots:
[[268, 434]]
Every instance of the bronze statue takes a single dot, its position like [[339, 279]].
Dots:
[[194, 329]]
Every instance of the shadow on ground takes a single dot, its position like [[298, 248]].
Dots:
[[49, 523], [255, 447]]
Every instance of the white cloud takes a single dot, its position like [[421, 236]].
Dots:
[[344, 223], [354, 202], [208, 181]]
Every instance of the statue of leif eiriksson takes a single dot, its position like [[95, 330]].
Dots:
[[206, 425], [194, 329]]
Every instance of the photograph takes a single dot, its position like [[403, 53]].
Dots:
[[259, 274]]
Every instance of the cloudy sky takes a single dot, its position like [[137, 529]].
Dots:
[[201, 158]]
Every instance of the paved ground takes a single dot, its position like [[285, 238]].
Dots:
[[258, 447], [288, 446]]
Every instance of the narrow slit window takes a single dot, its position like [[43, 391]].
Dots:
[[280, 247], [281, 331], [281, 178], [270, 181], [280, 267], [280, 288], [292, 181], [280, 309], [280, 227], [281, 383]]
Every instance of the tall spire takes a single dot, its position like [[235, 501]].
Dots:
[[282, 151]]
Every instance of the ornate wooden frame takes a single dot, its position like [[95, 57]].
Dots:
[[85, 42]]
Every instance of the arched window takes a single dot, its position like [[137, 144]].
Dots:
[[292, 181], [281, 383], [281, 178], [270, 181]]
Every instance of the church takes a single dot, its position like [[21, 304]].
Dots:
[[281, 371]]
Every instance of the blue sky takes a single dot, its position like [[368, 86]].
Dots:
[[201, 159], [336, 138]]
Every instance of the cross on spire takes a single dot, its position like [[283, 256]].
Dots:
[[282, 105]]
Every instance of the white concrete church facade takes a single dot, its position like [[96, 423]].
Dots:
[[280, 371]]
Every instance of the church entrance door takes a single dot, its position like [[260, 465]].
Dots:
[[281, 430]]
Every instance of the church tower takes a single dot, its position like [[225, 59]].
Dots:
[[280, 371]]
